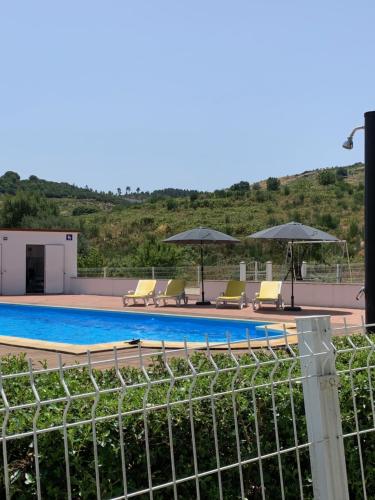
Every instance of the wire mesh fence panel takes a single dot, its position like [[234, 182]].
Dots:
[[355, 363], [184, 423], [174, 424]]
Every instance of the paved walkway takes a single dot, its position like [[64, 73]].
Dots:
[[352, 317]]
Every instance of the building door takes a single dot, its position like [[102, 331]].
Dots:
[[35, 268], [54, 269]]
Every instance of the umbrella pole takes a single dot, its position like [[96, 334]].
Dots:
[[202, 302], [292, 297], [202, 274], [292, 307]]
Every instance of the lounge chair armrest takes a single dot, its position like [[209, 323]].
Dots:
[[257, 294], [130, 291]]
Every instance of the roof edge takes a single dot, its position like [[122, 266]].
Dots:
[[41, 230]]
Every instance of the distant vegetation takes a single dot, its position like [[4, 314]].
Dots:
[[127, 229]]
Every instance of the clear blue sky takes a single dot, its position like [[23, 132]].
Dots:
[[188, 93]]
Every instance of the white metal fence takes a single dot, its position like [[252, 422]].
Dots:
[[254, 271], [291, 422]]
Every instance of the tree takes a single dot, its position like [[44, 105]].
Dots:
[[9, 182], [341, 173], [91, 259], [156, 253], [171, 204], [138, 190], [128, 189], [326, 177], [25, 205], [273, 184], [118, 191], [240, 186]]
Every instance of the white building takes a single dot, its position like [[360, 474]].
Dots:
[[37, 261]]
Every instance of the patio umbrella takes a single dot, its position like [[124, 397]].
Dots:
[[201, 236], [291, 232]]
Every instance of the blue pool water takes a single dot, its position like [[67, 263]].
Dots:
[[82, 326]]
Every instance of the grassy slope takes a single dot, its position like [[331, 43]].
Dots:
[[338, 208]]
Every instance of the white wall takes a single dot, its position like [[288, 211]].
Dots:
[[13, 260], [306, 294]]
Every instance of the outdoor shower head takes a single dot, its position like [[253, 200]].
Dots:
[[348, 144]]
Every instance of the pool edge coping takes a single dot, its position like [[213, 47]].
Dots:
[[23, 342]]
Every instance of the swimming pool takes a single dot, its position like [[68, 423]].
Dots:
[[92, 326]]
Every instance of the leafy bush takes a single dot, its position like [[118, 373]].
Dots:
[[273, 184], [91, 258], [155, 253], [341, 173], [171, 204], [328, 221], [240, 186], [84, 210], [15, 209], [80, 438], [326, 177]]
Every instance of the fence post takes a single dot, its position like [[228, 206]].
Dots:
[[303, 269], [268, 270], [338, 273], [104, 272], [256, 271], [198, 276], [322, 408], [153, 272], [242, 271]]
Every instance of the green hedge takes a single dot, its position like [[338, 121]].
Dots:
[[81, 456]]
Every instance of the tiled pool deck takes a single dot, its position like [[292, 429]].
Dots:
[[352, 317]]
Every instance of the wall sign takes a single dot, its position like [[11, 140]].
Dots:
[[69, 237]]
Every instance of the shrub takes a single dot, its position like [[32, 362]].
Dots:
[[84, 210], [171, 204], [91, 259], [260, 196], [240, 186], [326, 177], [328, 221], [341, 173], [80, 438], [273, 184]]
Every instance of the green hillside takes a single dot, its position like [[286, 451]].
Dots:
[[115, 232]]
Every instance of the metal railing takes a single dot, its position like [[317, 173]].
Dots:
[[254, 271], [296, 422]]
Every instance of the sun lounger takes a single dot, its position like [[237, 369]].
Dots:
[[145, 291], [175, 290], [269, 293], [234, 294]]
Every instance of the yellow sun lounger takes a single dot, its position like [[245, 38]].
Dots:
[[234, 294], [269, 293], [175, 290], [145, 290]]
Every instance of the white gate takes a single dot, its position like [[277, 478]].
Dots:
[[54, 268]]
